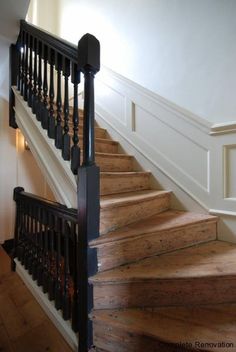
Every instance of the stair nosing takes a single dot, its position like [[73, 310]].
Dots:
[[122, 202], [125, 173], [108, 238], [100, 280]]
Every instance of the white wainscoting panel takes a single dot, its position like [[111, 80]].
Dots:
[[187, 153], [230, 171]]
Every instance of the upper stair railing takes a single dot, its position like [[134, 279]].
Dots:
[[35, 60]]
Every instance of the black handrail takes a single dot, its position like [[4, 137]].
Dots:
[[45, 230], [58, 44]]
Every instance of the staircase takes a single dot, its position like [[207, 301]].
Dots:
[[163, 282]]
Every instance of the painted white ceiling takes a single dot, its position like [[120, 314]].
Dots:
[[11, 11]]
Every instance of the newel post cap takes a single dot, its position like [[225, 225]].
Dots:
[[89, 53], [17, 190]]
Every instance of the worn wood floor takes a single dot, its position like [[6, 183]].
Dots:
[[24, 327]]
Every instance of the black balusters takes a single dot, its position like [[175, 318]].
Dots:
[[75, 149], [22, 63], [58, 128], [31, 238], [45, 252], [35, 88], [40, 248], [58, 286], [66, 136], [40, 81], [26, 67], [30, 89], [44, 109], [20, 49], [66, 298], [52, 259], [51, 119], [36, 245]]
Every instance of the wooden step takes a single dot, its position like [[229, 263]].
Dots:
[[109, 162], [202, 274], [161, 233], [118, 182], [175, 329], [118, 210], [99, 133], [102, 145]]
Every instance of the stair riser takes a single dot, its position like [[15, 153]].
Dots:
[[115, 217], [120, 183], [116, 339], [117, 253], [99, 132], [101, 147], [113, 164], [162, 293], [106, 147]]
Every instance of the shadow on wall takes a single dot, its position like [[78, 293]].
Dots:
[[17, 168], [7, 172]]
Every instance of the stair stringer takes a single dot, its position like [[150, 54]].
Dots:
[[56, 171]]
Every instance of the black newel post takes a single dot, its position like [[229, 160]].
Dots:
[[88, 191]]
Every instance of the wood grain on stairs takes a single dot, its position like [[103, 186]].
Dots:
[[117, 182], [154, 235], [23, 324], [121, 209], [103, 145], [201, 274], [204, 328], [114, 162]]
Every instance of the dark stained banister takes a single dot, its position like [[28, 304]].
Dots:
[[51, 241]]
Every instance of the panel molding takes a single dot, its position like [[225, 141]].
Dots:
[[206, 142]]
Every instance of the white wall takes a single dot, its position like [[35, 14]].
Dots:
[[183, 50], [44, 13]]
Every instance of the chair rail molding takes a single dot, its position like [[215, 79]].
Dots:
[[180, 148]]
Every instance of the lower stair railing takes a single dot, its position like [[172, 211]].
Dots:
[[51, 241]]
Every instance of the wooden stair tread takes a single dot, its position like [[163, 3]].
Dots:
[[168, 220], [114, 174], [122, 199], [100, 140], [177, 325], [207, 260], [114, 155]]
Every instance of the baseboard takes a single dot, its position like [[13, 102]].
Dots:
[[55, 316]]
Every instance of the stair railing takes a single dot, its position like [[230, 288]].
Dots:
[[35, 60]]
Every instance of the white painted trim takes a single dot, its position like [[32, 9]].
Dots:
[[100, 119], [42, 298], [193, 164], [222, 212], [184, 114], [223, 128], [197, 121]]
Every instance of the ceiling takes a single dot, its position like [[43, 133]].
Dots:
[[11, 11]]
